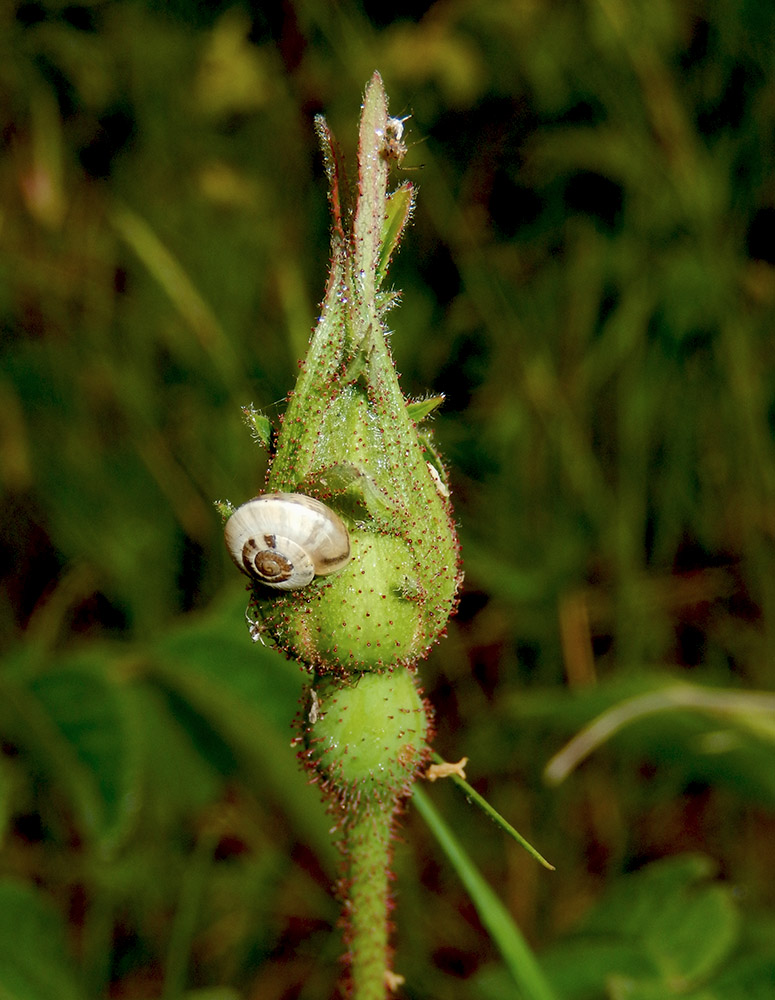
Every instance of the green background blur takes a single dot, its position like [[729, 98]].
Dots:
[[589, 278]]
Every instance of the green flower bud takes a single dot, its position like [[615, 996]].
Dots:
[[367, 740], [349, 439]]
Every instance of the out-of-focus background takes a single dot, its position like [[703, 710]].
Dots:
[[590, 279]]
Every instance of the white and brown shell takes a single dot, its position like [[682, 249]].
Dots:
[[284, 540]]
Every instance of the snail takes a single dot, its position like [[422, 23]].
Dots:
[[284, 540]]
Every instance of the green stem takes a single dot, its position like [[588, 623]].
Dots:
[[367, 906]]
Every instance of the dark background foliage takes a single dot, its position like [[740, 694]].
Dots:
[[590, 280]]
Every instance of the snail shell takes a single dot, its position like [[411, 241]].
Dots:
[[283, 540]]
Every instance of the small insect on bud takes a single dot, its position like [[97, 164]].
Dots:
[[393, 146]]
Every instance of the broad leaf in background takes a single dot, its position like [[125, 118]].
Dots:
[[76, 720], [35, 963], [668, 930]]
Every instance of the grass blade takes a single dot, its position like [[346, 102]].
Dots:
[[508, 938]]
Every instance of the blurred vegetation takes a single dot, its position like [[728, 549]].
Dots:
[[590, 279]]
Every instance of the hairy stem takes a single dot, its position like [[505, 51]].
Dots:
[[368, 904]]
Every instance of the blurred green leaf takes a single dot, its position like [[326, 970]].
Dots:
[[664, 928], [749, 978], [79, 726], [247, 696], [34, 960]]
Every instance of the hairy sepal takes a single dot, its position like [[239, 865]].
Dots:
[[393, 600], [367, 740]]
